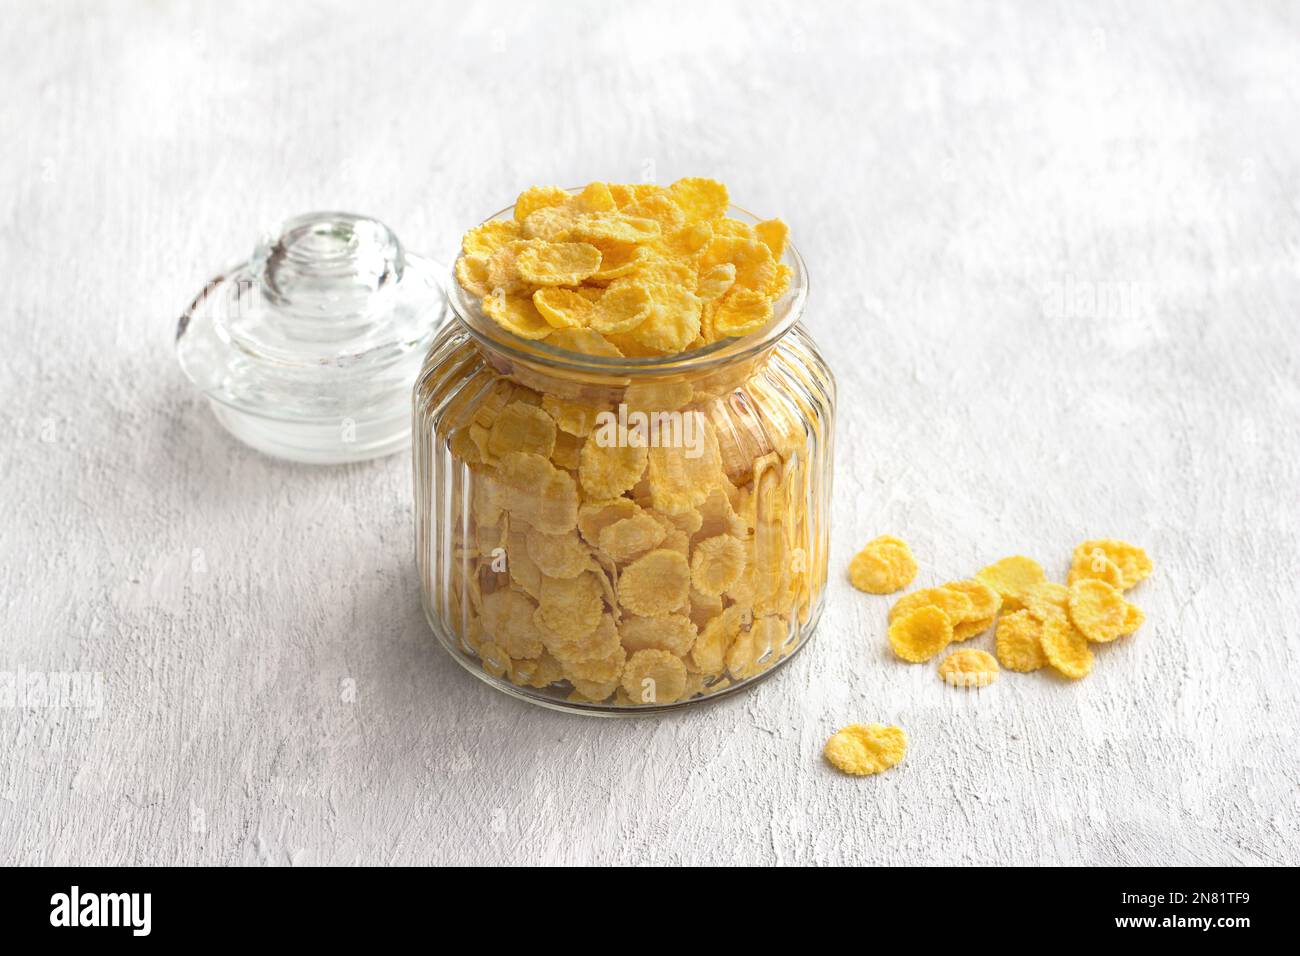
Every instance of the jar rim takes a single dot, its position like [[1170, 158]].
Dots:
[[786, 313]]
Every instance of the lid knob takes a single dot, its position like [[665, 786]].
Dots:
[[327, 271]]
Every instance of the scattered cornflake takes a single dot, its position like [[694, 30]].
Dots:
[[864, 749], [969, 668], [885, 565], [921, 634], [1066, 649], [1012, 577]]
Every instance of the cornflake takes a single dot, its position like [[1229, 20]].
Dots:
[[658, 582], [885, 565], [1090, 560], [920, 634], [968, 668], [1020, 642], [955, 605], [1066, 649], [864, 749], [654, 677], [1098, 610], [717, 563], [1011, 577]]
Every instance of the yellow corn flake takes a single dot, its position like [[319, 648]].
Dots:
[[1091, 558], [562, 308], [517, 315], [621, 309], [780, 283], [674, 320], [1066, 649], [503, 276], [654, 677], [660, 207], [920, 634], [599, 670], [674, 633], [557, 263], [575, 418], [508, 621], [551, 224], [864, 749], [606, 471], [524, 572], [709, 653], [617, 259], [965, 630], [689, 521], [969, 668], [700, 199], [715, 281], [1019, 642], [955, 605], [538, 197], [538, 493], [773, 233], [574, 648], [1046, 599], [522, 427], [717, 564], [596, 197], [885, 565], [626, 194], [755, 267], [1012, 577], [756, 648], [985, 602], [660, 271], [631, 537], [659, 395], [1098, 610], [472, 274], [734, 228], [486, 239], [583, 342], [681, 476], [740, 312], [558, 555], [686, 244], [569, 608], [656, 583], [615, 229], [595, 516]]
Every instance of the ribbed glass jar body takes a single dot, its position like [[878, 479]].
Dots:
[[622, 540]]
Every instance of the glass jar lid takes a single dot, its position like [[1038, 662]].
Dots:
[[309, 349]]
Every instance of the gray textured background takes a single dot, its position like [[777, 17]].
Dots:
[[1056, 263]]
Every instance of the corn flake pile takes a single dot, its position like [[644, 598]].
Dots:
[[623, 572], [1040, 623], [626, 270]]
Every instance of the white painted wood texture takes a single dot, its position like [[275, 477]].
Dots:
[[1055, 256]]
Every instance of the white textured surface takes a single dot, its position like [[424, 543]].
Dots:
[[963, 180]]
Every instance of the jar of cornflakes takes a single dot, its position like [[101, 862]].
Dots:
[[617, 535]]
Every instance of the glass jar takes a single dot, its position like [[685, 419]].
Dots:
[[617, 535]]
